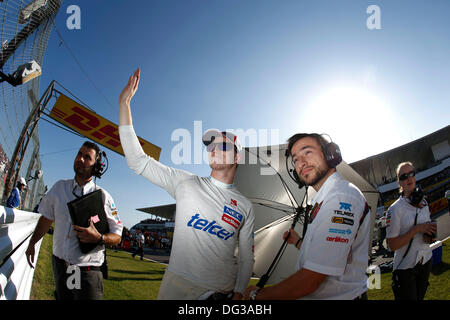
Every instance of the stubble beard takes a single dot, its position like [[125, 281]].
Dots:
[[319, 174]]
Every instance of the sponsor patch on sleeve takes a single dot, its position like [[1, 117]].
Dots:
[[232, 217], [116, 217]]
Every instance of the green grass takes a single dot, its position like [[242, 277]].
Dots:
[[133, 279], [43, 284], [439, 281], [128, 278]]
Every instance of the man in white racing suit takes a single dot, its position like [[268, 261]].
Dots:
[[212, 216]]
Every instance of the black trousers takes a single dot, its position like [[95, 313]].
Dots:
[[411, 284], [84, 283], [139, 251]]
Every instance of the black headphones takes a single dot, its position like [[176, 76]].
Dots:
[[416, 196], [330, 150], [98, 168]]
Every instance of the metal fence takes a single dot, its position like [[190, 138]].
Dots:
[[25, 27]]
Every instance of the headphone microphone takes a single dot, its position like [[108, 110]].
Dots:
[[292, 172]]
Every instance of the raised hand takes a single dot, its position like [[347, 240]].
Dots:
[[130, 89]]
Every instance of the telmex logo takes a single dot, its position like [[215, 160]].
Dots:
[[337, 239], [345, 206]]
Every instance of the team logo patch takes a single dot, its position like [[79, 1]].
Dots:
[[340, 231], [337, 239], [232, 217], [343, 213], [210, 227], [116, 217], [233, 202], [342, 220], [345, 206], [314, 211]]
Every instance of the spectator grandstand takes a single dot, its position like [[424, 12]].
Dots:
[[429, 154]]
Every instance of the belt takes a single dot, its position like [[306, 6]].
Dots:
[[90, 268], [82, 268]]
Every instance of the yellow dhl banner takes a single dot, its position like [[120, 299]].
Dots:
[[94, 127]]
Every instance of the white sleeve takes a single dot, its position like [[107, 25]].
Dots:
[[142, 164], [246, 255], [47, 204], [393, 222], [114, 223], [334, 235]]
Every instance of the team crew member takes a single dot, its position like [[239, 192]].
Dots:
[[66, 248], [212, 215], [14, 198], [409, 233], [334, 253]]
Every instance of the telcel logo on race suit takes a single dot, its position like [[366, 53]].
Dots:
[[210, 227]]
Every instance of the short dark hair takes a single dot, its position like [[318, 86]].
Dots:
[[320, 140], [92, 145]]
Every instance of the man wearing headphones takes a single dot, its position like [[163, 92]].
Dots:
[[212, 217], [409, 234], [334, 252], [77, 275]]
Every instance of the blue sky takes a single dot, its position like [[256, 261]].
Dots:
[[290, 66]]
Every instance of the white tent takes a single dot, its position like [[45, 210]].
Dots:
[[262, 177]]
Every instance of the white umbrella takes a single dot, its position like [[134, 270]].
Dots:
[[275, 196]]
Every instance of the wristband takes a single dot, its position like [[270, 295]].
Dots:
[[101, 241]]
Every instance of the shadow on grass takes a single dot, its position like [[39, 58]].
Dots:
[[137, 272], [118, 255], [440, 268], [133, 279]]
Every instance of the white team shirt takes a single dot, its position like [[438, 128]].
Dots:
[[400, 219], [65, 242], [211, 219], [333, 245]]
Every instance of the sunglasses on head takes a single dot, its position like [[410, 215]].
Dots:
[[222, 146], [406, 175]]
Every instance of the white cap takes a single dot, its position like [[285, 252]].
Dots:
[[22, 181], [211, 134]]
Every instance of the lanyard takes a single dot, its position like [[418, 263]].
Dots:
[[77, 196]]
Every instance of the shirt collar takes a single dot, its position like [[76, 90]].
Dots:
[[332, 179], [86, 188], [220, 184]]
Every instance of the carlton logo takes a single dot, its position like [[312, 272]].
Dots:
[[337, 239]]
